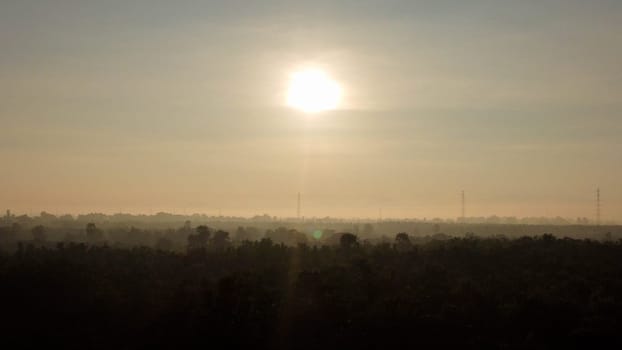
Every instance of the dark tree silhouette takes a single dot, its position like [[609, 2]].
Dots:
[[286, 236], [247, 234], [402, 237], [220, 239], [402, 241], [39, 234], [348, 240], [200, 239], [203, 231], [93, 234]]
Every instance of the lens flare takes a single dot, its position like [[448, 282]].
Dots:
[[317, 234]]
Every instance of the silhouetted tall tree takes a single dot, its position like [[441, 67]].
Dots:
[[402, 241], [221, 239], [93, 234], [200, 239], [38, 234], [348, 240]]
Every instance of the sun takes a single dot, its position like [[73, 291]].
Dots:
[[313, 91]]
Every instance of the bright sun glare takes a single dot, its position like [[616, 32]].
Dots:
[[313, 91]]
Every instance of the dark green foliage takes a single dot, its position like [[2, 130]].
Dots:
[[538, 292]]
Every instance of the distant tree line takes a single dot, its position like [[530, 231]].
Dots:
[[177, 237]]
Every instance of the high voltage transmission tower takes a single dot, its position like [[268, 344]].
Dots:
[[598, 206], [463, 203]]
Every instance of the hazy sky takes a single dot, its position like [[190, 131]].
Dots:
[[178, 106]]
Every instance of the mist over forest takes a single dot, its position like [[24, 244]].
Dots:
[[171, 230]]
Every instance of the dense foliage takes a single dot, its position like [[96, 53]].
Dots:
[[540, 292]]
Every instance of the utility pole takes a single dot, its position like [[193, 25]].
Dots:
[[598, 206], [463, 203]]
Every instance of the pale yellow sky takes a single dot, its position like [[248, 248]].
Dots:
[[153, 105]]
